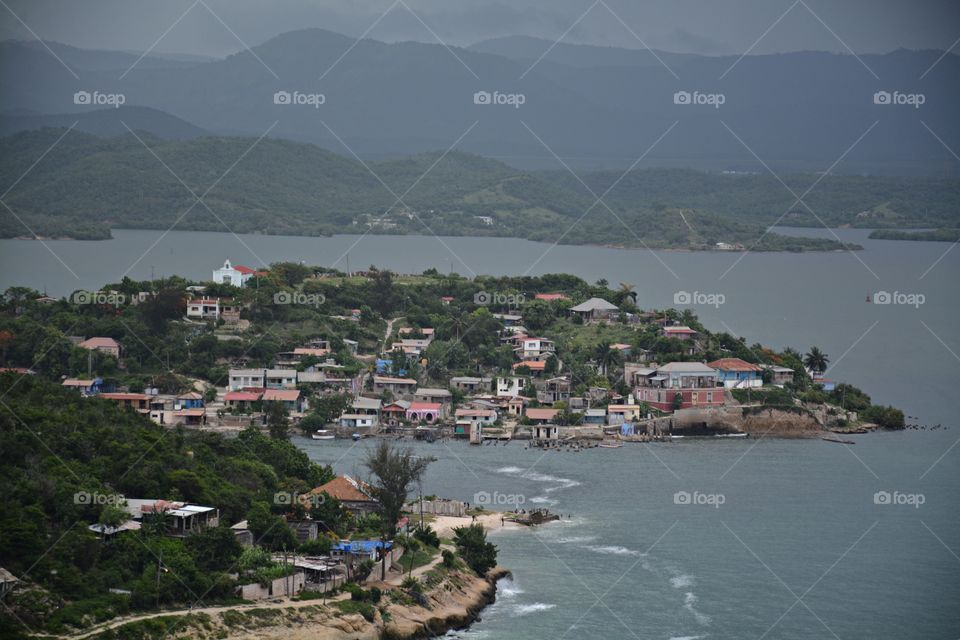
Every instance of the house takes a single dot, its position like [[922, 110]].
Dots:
[[189, 417], [213, 309], [534, 348], [679, 332], [355, 495], [546, 432], [413, 332], [780, 375], [280, 378], [595, 309], [734, 373], [625, 349], [360, 550], [510, 385], [620, 413], [469, 384], [536, 367], [440, 396], [397, 386], [86, 387], [243, 400], [508, 319], [181, 518], [694, 383], [395, 411], [7, 582], [190, 400], [541, 416], [359, 421], [137, 401], [411, 346], [550, 297], [554, 390], [595, 417], [289, 398], [246, 378], [237, 275], [108, 346], [305, 530], [241, 531], [428, 412]]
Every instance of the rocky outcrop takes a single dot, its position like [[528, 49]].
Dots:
[[758, 421]]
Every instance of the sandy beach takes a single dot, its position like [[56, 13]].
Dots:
[[444, 525]]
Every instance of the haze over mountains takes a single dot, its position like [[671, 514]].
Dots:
[[595, 107]]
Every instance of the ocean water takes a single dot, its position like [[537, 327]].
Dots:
[[766, 539]]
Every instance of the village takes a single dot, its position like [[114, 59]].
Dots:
[[631, 396]]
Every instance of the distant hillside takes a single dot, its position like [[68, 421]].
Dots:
[[597, 107], [106, 122], [92, 183]]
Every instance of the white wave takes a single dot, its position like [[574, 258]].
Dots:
[[574, 540], [508, 589], [524, 609], [687, 637], [616, 551], [681, 581], [690, 599], [510, 470], [543, 500]]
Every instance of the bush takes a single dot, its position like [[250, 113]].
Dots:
[[412, 584], [427, 536], [886, 417], [480, 555], [449, 560]]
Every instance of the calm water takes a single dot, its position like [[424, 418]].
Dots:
[[796, 516]]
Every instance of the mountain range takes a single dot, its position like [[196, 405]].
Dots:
[[594, 107]]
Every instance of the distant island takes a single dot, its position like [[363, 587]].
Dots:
[[932, 235], [287, 188]]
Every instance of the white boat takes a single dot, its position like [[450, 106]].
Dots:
[[677, 437], [731, 435], [356, 436], [322, 434], [610, 445]]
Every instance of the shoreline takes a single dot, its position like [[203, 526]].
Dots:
[[597, 245]]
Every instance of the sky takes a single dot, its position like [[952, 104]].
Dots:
[[732, 27]]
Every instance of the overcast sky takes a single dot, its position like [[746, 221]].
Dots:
[[691, 26]]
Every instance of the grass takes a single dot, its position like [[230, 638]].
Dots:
[[365, 609], [422, 556]]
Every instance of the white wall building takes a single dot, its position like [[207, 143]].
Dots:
[[235, 275]]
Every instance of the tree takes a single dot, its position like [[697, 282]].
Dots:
[[395, 472], [277, 421], [816, 360], [471, 542]]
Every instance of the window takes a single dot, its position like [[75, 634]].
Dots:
[[709, 397]]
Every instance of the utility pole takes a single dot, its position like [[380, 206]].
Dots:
[[159, 565]]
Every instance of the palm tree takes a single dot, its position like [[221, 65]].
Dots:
[[628, 292], [606, 356], [816, 360]]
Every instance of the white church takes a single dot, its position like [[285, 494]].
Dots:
[[237, 275]]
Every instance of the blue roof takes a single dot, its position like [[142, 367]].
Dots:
[[358, 546]]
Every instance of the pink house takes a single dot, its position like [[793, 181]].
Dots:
[[424, 411], [105, 345]]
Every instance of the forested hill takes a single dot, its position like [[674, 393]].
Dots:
[[88, 184]]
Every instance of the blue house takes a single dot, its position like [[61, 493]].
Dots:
[[734, 373], [192, 400]]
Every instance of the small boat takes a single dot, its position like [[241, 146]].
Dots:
[[837, 440], [356, 436], [322, 434], [731, 435], [610, 445], [673, 437]]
